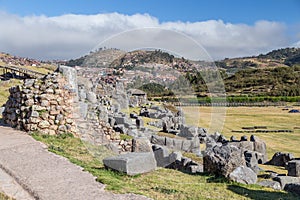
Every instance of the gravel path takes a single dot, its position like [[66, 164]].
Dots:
[[29, 171]]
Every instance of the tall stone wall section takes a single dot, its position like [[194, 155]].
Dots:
[[43, 105]]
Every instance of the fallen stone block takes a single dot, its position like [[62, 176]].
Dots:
[[161, 155], [160, 140], [283, 180], [132, 163], [271, 184], [243, 175]]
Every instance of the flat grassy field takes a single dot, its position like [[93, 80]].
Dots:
[[162, 184], [225, 120]]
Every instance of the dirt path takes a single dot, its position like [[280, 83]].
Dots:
[[29, 171]]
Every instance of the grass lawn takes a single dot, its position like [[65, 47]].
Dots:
[[163, 183], [235, 118]]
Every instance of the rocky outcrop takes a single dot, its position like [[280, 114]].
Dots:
[[43, 105], [223, 159]]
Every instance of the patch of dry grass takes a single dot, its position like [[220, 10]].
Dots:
[[4, 89]]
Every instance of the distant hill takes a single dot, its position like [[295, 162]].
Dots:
[[99, 58], [275, 73], [276, 58], [28, 63], [277, 81], [133, 59]]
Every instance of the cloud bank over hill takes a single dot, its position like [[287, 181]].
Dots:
[[70, 36]]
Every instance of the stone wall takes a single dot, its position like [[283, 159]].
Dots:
[[43, 105]]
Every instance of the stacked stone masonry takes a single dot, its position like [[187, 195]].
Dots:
[[43, 105]]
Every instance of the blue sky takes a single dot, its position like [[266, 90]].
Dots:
[[234, 11], [232, 28]]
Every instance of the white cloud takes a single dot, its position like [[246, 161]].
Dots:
[[70, 36]]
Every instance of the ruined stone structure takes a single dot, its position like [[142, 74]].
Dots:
[[42, 105]]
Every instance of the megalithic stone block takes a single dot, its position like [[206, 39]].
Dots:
[[132, 163]]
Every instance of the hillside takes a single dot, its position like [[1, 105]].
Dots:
[[276, 58], [275, 73], [99, 58], [28, 63], [277, 81]]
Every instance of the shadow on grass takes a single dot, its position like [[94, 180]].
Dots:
[[260, 194]]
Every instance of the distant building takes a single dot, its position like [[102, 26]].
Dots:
[[137, 97]]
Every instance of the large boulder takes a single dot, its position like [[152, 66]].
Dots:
[[132, 163], [224, 159], [280, 159], [260, 147], [243, 174]]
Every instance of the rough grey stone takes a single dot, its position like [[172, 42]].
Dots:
[[83, 109], [251, 160], [223, 159], [283, 180], [280, 159], [132, 163], [243, 174], [139, 123], [44, 124], [82, 94], [141, 144], [71, 76], [160, 140], [186, 145], [177, 143], [271, 184], [91, 97], [260, 147], [161, 156], [177, 155], [293, 168], [188, 131], [34, 114]]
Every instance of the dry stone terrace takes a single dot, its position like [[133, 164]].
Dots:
[[96, 116]]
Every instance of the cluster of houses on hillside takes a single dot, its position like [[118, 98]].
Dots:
[[18, 61]]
